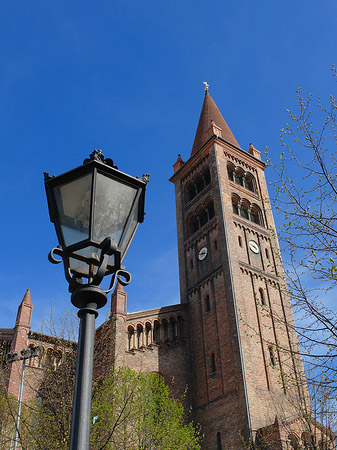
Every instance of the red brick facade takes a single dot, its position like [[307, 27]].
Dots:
[[231, 342]]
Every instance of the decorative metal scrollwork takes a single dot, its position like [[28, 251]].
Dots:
[[75, 280]]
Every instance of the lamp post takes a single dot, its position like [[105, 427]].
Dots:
[[26, 353], [96, 210]]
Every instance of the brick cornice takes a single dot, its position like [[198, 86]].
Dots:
[[261, 273], [206, 278]]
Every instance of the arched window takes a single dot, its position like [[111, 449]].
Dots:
[[203, 216], [148, 334], [230, 171], [165, 329], [235, 204], [294, 442], [255, 214], [267, 253], [139, 336], [249, 182], [130, 337], [206, 175], [156, 332], [210, 208], [173, 325], [213, 366], [180, 327], [193, 223], [262, 297], [244, 209], [199, 182], [49, 358], [57, 359], [190, 191], [240, 241], [239, 175]]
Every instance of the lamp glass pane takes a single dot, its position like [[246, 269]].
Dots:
[[113, 203], [73, 202], [130, 230]]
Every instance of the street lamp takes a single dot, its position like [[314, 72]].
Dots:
[[26, 353], [96, 210]]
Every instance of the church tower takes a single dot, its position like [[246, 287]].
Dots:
[[244, 364]]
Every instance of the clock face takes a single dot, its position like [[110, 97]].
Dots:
[[254, 247], [202, 253]]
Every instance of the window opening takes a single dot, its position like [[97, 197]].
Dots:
[[267, 253], [210, 207], [207, 304], [207, 176], [218, 441], [272, 356], [235, 205], [240, 241], [239, 178], [213, 367], [165, 329], [191, 191], [194, 224], [139, 336], [262, 297], [215, 245], [244, 211], [230, 171], [156, 336], [148, 333], [293, 441], [130, 338], [199, 183], [248, 182], [203, 217]]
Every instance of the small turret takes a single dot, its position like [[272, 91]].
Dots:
[[118, 300]]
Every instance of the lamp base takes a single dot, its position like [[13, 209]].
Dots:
[[86, 294]]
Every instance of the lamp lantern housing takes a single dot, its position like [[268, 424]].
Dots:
[[90, 204]]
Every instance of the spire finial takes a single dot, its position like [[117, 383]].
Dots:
[[206, 86]]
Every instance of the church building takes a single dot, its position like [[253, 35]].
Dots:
[[231, 341]]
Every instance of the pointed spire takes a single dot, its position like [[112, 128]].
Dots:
[[27, 298], [178, 163], [118, 300], [253, 151], [210, 116], [25, 309], [119, 288]]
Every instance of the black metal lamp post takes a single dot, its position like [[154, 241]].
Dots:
[[96, 210]]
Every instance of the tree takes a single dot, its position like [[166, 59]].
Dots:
[[130, 410], [306, 198], [136, 411]]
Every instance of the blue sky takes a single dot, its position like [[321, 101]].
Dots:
[[127, 77]]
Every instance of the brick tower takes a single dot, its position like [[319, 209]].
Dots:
[[20, 339], [245, 369]]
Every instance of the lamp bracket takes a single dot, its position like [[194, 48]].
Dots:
[[75, 281]]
